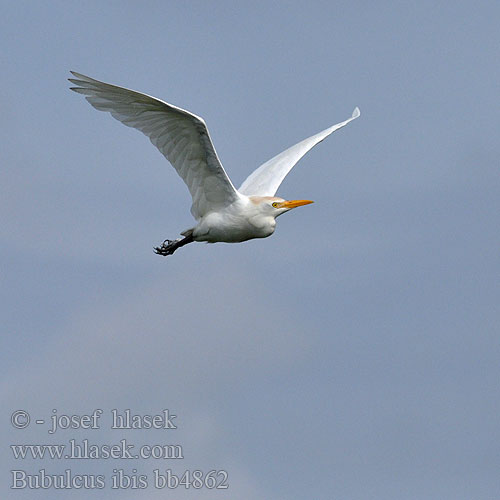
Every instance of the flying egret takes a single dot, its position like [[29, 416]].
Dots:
[[223, 213]]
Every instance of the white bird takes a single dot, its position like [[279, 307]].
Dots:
[[223, 213]]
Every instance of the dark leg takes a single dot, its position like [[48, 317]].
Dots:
[[168, 247]]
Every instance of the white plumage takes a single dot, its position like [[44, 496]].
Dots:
[[223, 212], [266, 180]]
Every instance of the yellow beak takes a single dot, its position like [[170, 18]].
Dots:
[[295, 203]]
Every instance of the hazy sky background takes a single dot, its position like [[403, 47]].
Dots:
[[352, 355]]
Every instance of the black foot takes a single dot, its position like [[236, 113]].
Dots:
[[168, 247]]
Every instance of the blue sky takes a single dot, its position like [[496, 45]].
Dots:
[[352, 355]]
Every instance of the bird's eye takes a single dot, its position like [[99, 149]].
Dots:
[[276, 204]]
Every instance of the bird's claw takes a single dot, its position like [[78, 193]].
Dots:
[[168, 247]]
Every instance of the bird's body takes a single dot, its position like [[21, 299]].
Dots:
[[223, 213], [240, 221]]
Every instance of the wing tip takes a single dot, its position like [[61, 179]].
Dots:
[[78, 75], [78, 80], [356, 113], [82, 78]]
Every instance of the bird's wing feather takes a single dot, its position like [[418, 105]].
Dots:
[[266, 180], [181, 137]]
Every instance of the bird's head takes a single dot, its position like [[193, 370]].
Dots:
[[274, 206]]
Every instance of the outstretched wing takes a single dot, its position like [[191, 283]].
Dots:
[[180, 136], [266, 180]]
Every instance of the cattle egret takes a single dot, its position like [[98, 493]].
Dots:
[[223, 213]]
